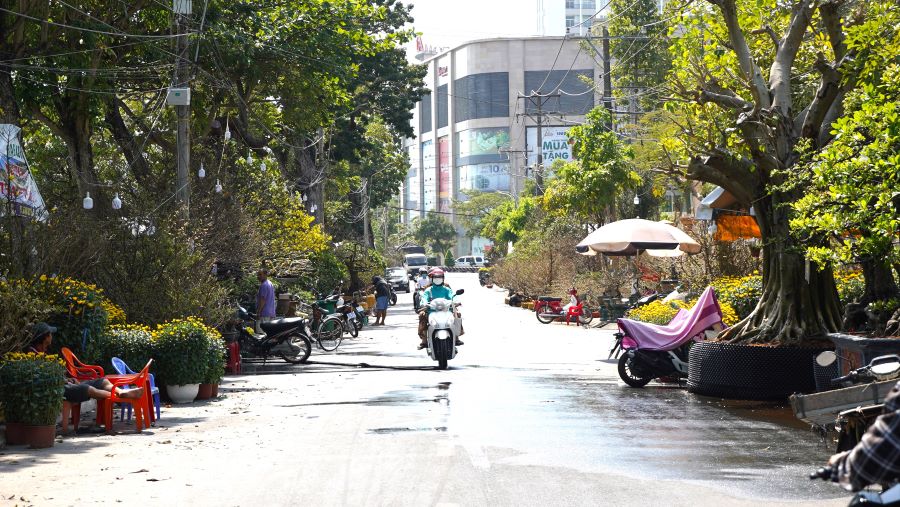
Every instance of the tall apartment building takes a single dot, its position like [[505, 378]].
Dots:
[[471, 132]]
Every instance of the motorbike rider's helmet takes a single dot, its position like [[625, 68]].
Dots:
[[423, 271], [437, 276]]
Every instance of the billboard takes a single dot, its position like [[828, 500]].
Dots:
[[413, 178], [485, 177], [17, 187], [487, 141], [556, 145], [443, 160]]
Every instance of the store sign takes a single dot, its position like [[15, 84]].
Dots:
[[17, 188], [485, 177], [443, 71], [489, 141], [555, 142]]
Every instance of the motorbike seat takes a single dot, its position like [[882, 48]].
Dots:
[[549, 299], [280, 325]]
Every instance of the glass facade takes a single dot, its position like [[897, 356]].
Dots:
[[443, 107], [481, 96], [575, 97], [489, 177], [425, 113], [428, 176]]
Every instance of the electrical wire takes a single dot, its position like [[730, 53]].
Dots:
[[90, 30]]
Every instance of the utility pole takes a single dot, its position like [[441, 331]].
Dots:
[[538, 100], [179, 95], [511, 155], [364, 201], [607, 78]]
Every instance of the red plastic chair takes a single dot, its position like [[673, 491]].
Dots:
[[575, 312], [141, 406], [79, 370]]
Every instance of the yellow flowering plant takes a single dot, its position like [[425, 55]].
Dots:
[[658, 312]]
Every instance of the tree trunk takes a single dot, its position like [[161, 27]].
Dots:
[[799, 300], [879, 279]]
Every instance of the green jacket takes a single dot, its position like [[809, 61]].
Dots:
[[437, 292]]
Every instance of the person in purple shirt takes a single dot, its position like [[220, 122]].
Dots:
[[265, 298]]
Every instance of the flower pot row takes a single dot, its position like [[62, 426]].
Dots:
[[34, 436], [188, 393]]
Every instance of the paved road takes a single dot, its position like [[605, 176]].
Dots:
[[527, 415]]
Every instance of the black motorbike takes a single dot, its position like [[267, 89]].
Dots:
[[286, 338], [889, 496]]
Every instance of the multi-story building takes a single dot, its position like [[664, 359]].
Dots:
[[579, 15], [473, 131]]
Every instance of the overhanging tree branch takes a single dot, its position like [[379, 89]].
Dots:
[[758, 87], [780, 73]]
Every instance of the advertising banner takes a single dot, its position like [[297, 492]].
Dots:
[[413, 180], [444, 174], [17, 188], [485, 177], [487, 141], [556, 145]]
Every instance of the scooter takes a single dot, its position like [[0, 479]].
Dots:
[[286, 338], [889, 496], [444, 327], [417, 298]]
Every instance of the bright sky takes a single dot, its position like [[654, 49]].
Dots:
[[451, 22]]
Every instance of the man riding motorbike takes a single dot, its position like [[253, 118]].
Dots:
[[876, 458], [422, 281], [437, 290]]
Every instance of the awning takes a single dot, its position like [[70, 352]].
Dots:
[[734, 227]]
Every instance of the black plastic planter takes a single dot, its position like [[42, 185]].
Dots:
[[750, 373]]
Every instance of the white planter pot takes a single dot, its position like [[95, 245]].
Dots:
[[183, 394]]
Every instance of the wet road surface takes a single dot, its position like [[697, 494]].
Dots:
[[527, 414]]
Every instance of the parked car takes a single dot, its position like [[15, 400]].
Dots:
[[470, 261], [398, 278]]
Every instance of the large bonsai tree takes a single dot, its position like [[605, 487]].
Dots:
[[758, 84]]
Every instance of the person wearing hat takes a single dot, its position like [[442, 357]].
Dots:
[[41, 338], [75, 391]]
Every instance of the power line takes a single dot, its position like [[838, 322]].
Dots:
[[90, 30]]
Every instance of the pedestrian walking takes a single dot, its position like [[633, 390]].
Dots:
[[265, 299]]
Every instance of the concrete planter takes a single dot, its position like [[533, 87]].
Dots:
[[183, 394], [856, 351]]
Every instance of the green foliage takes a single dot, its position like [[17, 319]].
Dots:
[[181, 349], [215, 360], [81, 319], [327, 272], [852, 210], [449, 261], [638, 47], [20, 307], [436, 232], [31, 388], [601, 170], [475, 208], [131, 343]]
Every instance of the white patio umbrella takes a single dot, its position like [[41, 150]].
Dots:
[[631, 236]]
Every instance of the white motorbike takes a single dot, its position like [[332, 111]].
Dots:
[[444, 327]]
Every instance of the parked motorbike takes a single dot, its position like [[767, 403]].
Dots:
[[444, 327], [286, 338], [852, 424], [548, 309], [637, 367], [889, 496], [349, 319]]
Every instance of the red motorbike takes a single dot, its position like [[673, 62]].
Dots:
[[548, 309]]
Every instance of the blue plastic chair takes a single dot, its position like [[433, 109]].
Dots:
[[123, 369]]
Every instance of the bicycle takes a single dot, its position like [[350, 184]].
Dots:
[[326, 330]]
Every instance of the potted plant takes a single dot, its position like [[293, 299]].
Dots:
[[31, 391], [215, 365], [180, 348]]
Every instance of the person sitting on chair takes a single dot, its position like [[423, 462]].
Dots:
[[75, 391]]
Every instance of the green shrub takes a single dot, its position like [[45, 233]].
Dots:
[[131, 343], [449, 261], [31, 387], [20, 307], [81, 317], [742, 293], [216, 359], [181, 351]]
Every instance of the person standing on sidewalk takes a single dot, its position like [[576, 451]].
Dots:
[[382, 299], [265, 299]]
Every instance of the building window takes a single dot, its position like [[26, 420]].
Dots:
[[570, 4], [443, 107], [570, 21], [481, 96], [588, 4], [425, 114], [574, 97]]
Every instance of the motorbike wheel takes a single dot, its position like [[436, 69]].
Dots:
[[353, 328], [416, 299], [629, 376], [544, 320], [393, 298], [330, 333], [586, 318], [442, 364], [302, 346]]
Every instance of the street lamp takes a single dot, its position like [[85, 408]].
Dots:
[[637, 200]]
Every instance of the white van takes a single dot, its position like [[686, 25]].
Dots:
[[470, 261]]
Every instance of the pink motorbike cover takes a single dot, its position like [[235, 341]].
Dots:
[[686, 325]]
